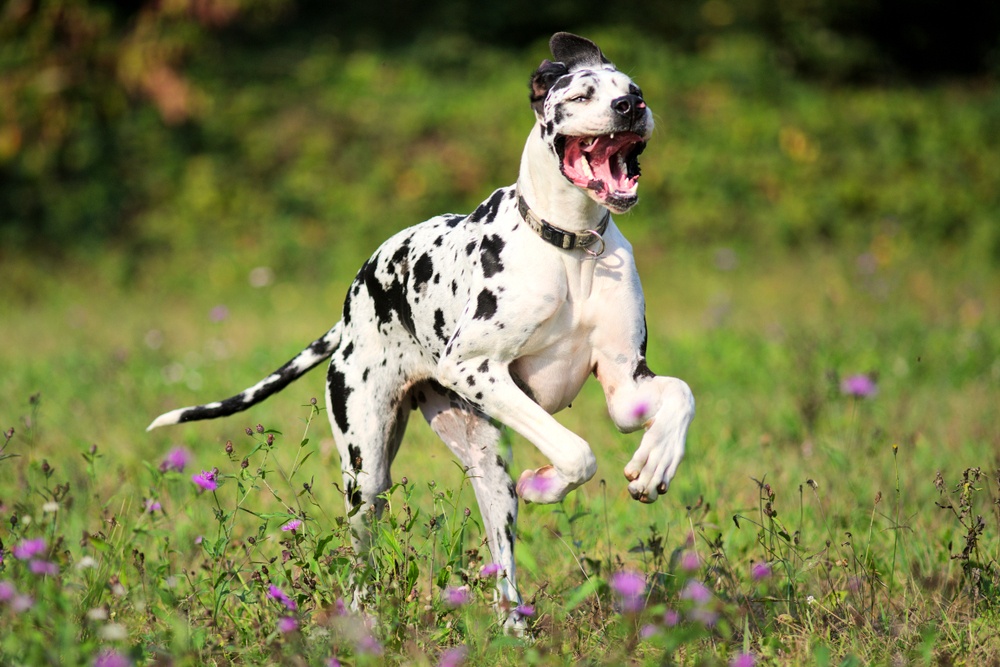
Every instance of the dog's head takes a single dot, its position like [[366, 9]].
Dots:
[[593, 118]]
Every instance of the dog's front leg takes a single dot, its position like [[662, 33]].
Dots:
[[486, 382], [664, 406]]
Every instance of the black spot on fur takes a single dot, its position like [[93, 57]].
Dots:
[[487, 211], [391, 298], [491, 248], [471, 381], [339, 393], [453, 219], [501, 463], [353, 494], [348, 351], [439, 325], [508, 528], [354, 454], [511, 489], [470, 248], [642, 370], [364, 376], [454, 288], [484, 367], [423, 270], [486, 305]]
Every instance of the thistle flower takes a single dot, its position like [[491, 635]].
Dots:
[[859, 386], [28, 549], [43, 567], [760, 571], [176, 459], [640, 411], [697, 592], [292, 525], [7, 591], [490, 570], [689, 561], [455, 597], [206, 479], [218, 314], [276, 593], [454, 656], [743, 660], [630, 587], [525, 610], [287, 624], [152, 506], [111, 658]]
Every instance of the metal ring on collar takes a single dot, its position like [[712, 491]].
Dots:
[[599, 239]]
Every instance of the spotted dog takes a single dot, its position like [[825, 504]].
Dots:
[[498, 317]]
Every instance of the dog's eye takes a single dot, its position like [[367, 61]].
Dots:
[[580, 98]]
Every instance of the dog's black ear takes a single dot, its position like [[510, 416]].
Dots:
[[576, 51], [541, 81]]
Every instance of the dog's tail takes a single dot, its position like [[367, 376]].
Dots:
[[303, 362]]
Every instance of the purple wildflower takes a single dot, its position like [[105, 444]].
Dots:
[[859, 386], [368, 645], [28, 549], [292, 525], [454, 656], [176, 459], [630, 587], [671, 618], [111, 659], [7, 591], [697, 592], [648, 631], [218, 313], [21, 603], [525, 610], [43, 567], [206, 479], [640, 411], [689, 561], [490, 570], [276, 593], [743, 660], [152, 506], [456, 597], [333, 662], [287, 624], [760, 571], [539, 484]]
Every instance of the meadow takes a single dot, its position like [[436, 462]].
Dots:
[[820, 265]]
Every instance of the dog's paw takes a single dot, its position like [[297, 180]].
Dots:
[[649, 472], [544, 485]]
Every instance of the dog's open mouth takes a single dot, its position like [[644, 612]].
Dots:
[[607, 165]]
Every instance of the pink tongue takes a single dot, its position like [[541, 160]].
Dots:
[[600, 155]]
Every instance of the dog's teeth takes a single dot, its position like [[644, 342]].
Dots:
[[611, 136]]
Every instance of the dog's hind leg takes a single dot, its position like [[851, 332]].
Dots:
[[475, 440], [368, 416]]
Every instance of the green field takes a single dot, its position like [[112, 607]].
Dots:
[[789, 236]]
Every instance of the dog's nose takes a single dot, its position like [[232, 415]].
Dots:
[[628, 106]]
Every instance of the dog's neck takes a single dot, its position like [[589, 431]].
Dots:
[[549, 194]]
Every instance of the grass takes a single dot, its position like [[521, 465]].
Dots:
[[790, 237], [869, 558]]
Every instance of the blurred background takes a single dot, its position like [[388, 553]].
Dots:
[[169, 139]]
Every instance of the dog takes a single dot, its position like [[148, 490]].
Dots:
[[498, 317]]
